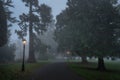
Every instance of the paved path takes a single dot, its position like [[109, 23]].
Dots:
[[55, 71]]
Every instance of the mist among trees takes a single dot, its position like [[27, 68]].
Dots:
[[84, 28]]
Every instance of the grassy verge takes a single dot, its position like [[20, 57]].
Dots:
[[13, 71], [89, 72]]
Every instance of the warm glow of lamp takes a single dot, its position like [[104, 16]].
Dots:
[[24, 41]]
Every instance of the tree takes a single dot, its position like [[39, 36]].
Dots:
[[3, 25], [67, 35], [60, 31], [37, 20], [92, 25], [6, 20]]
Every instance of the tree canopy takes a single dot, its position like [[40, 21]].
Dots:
[[35, 22], [88, 28], [85, 24]]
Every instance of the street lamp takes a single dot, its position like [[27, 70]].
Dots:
[[23, 61]]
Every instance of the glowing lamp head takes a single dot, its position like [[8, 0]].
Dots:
[[24, 41]]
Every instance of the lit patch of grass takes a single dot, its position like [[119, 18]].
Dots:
[[89, 72]]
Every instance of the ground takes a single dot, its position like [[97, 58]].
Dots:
[[60, 71], [55, 71]]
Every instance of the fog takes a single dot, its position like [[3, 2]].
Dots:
[[46, 38], [59, 39]]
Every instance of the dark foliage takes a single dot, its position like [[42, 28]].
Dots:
[[7, 53], [3, 25], [88, 28]]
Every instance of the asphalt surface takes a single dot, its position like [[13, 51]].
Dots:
[[54, 71]]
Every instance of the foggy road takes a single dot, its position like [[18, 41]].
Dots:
[[54, 71]]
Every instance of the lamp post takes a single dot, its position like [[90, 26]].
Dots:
[[23, 61]]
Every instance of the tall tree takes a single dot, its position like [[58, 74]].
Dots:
[[60, 31], [6, 19], [92, 24], [3, 25], [37, 20], [67, 35], [100, 22]]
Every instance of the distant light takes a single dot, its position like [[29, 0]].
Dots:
[[68, 52]]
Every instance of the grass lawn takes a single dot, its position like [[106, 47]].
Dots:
[[13, 71], [89, 72]]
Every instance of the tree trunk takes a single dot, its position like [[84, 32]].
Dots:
[[101, 65], [31, 57], [84, 59]]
